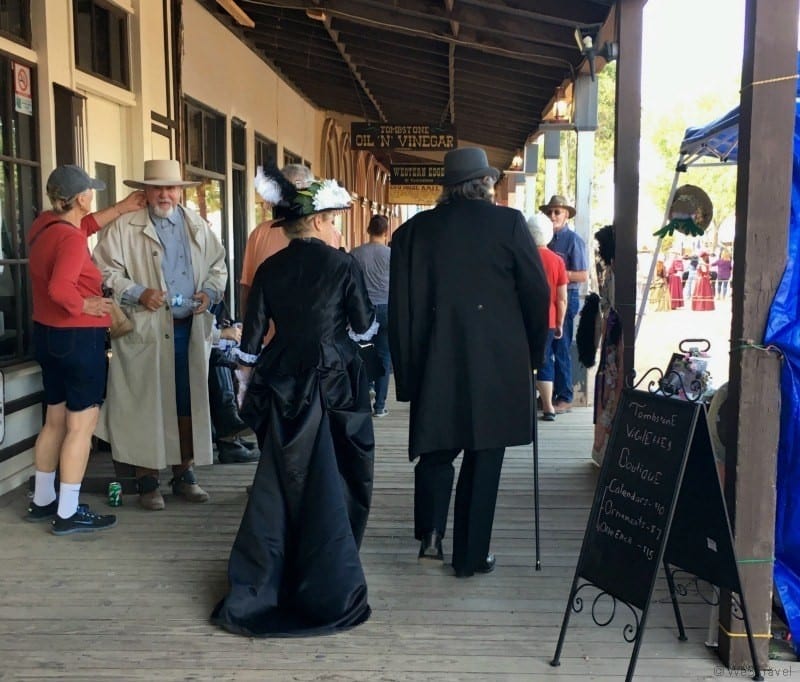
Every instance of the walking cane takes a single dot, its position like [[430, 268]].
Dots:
[[535, 435]]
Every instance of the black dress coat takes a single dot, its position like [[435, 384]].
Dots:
[[294, 568], [468, 316]]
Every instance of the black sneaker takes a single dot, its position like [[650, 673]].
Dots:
[[45, 513], [83, 521]]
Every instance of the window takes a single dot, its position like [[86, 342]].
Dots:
[[19, 204], [69, 125], [239, 184], [15, 20], [205, 137], [291, 157], [266, 155], [205, 162], [101, 40]]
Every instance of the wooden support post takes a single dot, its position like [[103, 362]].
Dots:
[[763, 193], [627, 131]]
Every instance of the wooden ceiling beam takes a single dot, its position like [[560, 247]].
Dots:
[[515, 48], [356, 75]]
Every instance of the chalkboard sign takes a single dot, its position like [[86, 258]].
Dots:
[[639, 481], [658, 498], [700, 538]]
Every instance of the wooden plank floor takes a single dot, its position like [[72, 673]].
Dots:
[[132, 603]]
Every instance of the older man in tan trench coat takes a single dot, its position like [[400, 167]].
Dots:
[[143, 257]]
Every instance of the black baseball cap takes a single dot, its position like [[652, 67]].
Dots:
[[68, 181]]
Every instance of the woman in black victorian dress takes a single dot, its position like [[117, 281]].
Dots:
[[294, 569]]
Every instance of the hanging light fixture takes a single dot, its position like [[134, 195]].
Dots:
[[561, 105]]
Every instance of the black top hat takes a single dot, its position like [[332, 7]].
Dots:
[[467, 163]]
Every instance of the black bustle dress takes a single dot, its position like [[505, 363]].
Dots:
[[294, 569]]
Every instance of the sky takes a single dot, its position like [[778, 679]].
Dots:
[[692, 52], [692, 48]]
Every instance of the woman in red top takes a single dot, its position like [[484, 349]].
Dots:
[[70, 319], [541, 228]]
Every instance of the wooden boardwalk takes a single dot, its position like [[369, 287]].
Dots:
[[132, 603]]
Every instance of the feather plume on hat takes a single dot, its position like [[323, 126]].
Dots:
[[292, 203], [271, 184]]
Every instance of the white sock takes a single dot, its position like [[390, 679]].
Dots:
[[68, 499], [44, 490]]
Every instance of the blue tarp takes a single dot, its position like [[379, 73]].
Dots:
[[783, 330], [718, 140]]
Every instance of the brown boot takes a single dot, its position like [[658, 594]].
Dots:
[[149, 495], [186, 486]]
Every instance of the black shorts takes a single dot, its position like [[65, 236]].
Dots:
[[73, 361]]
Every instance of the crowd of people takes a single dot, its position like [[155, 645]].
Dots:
[[294, 372], [692, 280]]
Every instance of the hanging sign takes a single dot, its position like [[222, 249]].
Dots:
[[416, 174], [409, 136], [419, 195], [23, 99]]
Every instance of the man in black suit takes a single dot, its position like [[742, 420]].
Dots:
[[468, 304]]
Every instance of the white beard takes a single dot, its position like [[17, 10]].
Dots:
[[162, 212]]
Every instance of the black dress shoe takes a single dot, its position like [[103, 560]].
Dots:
[[231, 452], [250, 445], [486, 567], [431, 546]]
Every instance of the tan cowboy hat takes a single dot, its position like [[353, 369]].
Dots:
[[161, 173], [557, 201]]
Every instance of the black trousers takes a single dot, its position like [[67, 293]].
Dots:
[[225, 420], [476, 497]]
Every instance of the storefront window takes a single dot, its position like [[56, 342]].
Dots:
[[205, 161], [19, 204], [266, 155]]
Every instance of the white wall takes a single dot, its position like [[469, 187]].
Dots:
[[231, 79]]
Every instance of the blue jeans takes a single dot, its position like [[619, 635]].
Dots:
[[180, 335], [381, 341], [562, 351]]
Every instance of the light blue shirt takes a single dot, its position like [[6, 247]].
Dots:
[[176, 263]]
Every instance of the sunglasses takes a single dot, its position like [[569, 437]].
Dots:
[[554, 211]]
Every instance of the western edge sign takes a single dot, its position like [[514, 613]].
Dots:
[[416, 137], [416, 174]]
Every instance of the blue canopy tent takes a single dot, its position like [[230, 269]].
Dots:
[[717, 144]]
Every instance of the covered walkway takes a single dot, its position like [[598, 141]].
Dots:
[[132, 603]]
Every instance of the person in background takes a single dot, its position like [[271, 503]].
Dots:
[[264, 241], [675, 281], [227, 425], [541, 228], [724, 266], [703, 295], [294, 568], [689, 274], [569, 245], [373, 257], [468, 309], [167, 267], [70, 318], [658, 297]]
